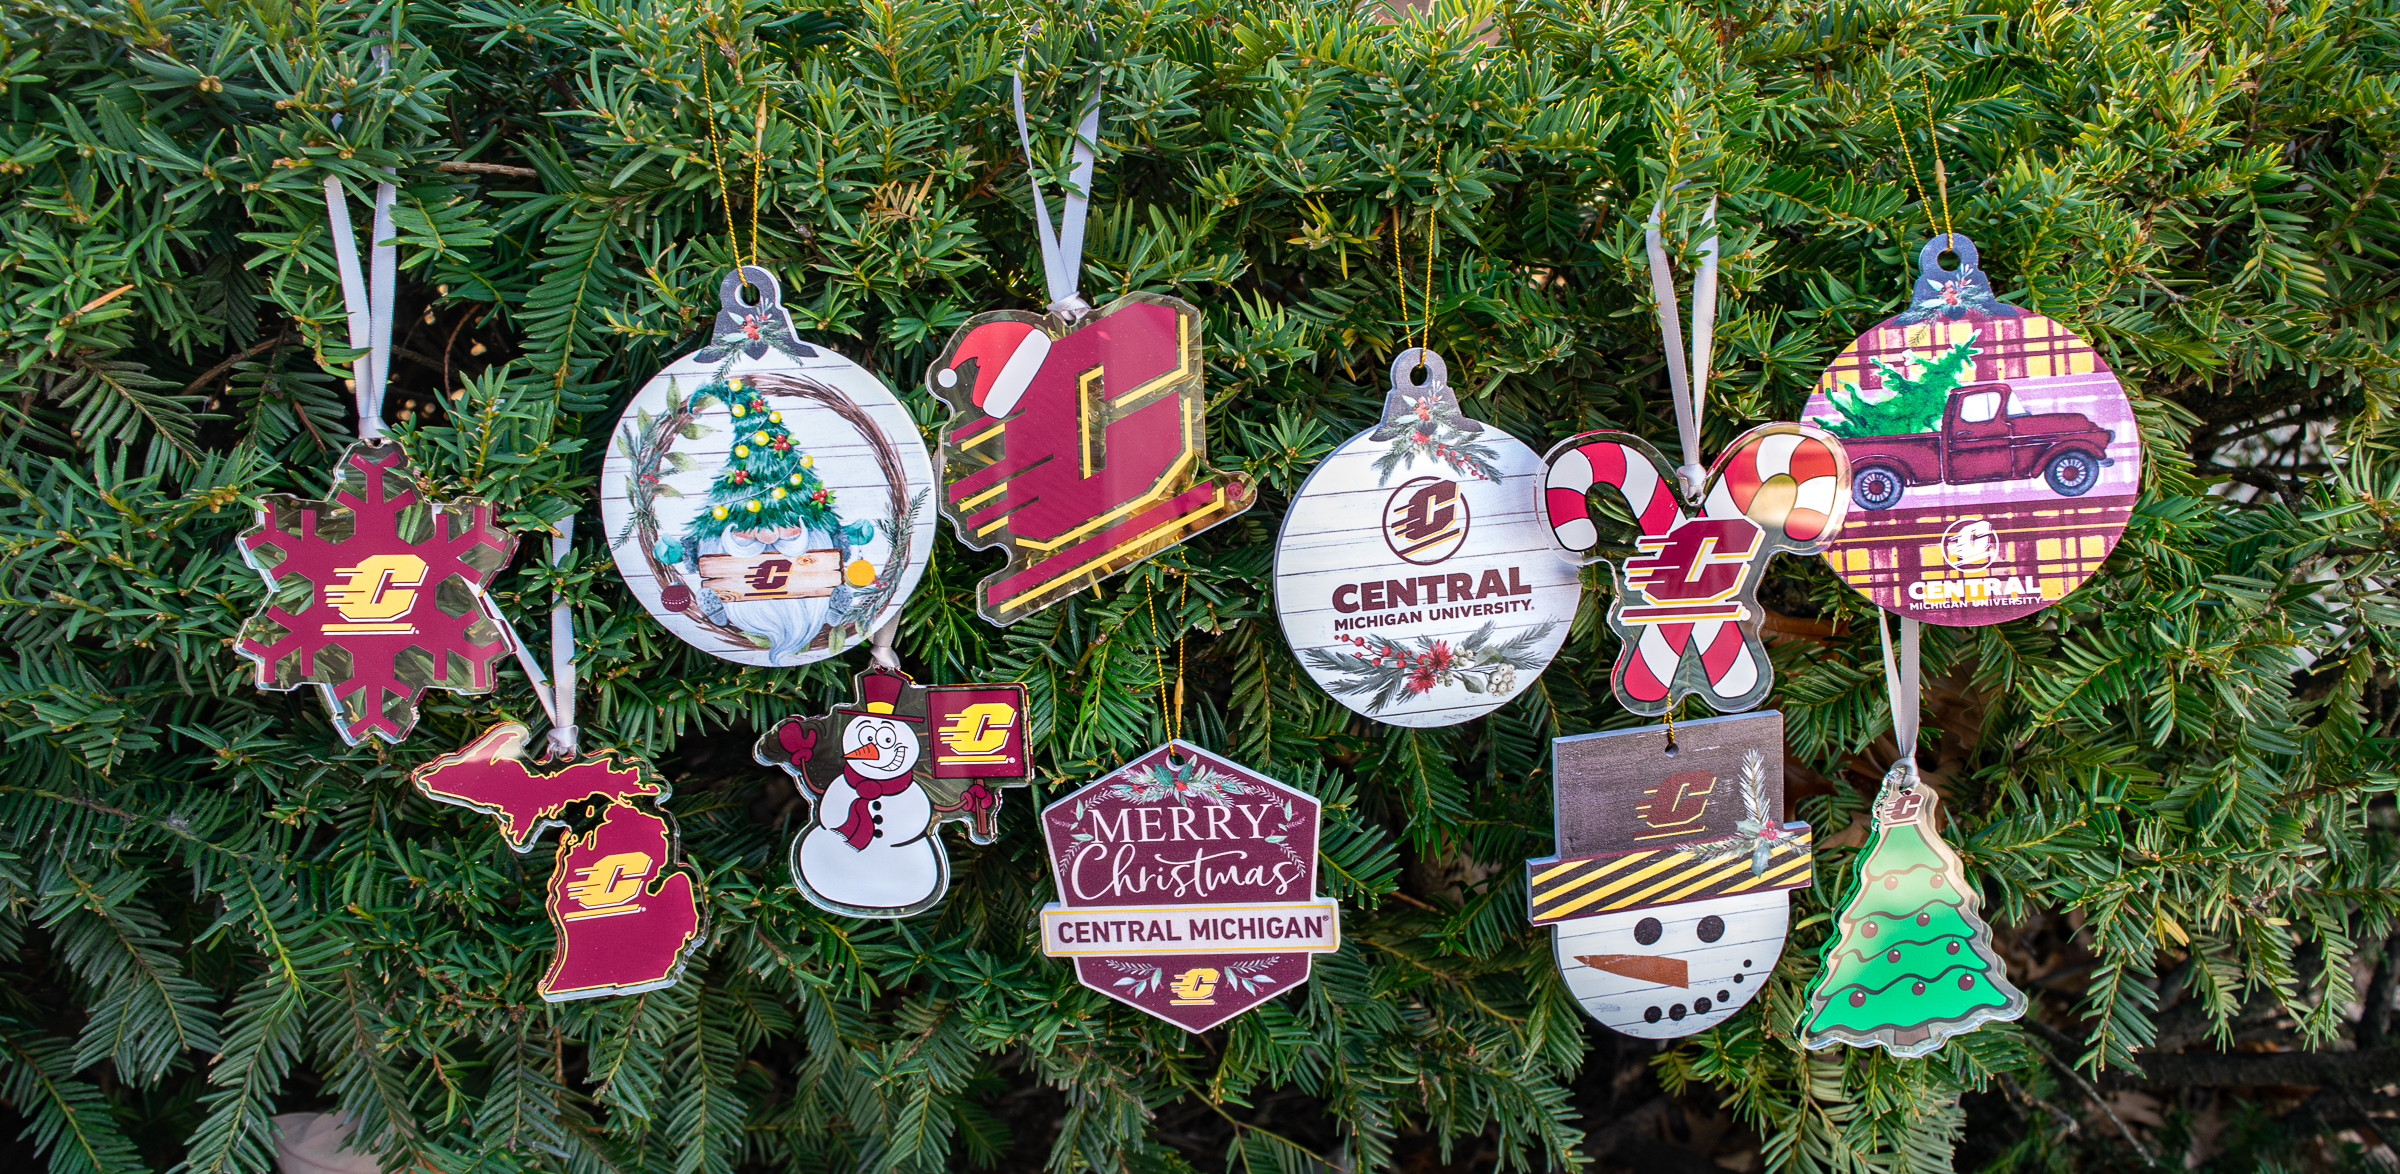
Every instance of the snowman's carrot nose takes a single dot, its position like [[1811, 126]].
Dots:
[[1641, 967], [867, 750]]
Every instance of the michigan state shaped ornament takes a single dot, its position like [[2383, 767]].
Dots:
[[1911, 962], [767, 500], [1077, 445], [628, 913], [1994, 459], [1413, 575], [881, 776], [1669, 897], [1686, 607], [375, 594]]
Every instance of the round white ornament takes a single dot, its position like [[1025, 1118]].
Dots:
[[1414, 575], [767, 500]]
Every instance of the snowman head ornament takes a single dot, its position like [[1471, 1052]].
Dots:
[[1669, 899]]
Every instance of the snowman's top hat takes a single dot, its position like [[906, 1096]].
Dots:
[[880, 693]]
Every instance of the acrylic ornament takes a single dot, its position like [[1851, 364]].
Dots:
[[628, 913], [1686, 607], [883, 775], [1911, 962], [1187, 886], [375, 594], [1077, 445], [1669, 896], [1994, 459], [767, 500], [1413, 574]]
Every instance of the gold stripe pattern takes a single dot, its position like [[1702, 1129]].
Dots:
[[1586, 886]]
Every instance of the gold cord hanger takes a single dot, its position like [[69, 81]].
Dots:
[[716, 160]]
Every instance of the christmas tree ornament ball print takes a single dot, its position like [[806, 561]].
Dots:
[[1994, 459], [767, 500], [1911, 963]]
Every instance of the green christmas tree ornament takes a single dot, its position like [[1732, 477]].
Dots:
[[1911, 961]]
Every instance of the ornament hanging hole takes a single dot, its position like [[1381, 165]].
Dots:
[[1672, 748], [1946, 255], [1419, 369]]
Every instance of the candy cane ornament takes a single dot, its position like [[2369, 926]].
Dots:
[[1686, 605]]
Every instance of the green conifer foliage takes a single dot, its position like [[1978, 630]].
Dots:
[[1911, 403], [2174, 788]]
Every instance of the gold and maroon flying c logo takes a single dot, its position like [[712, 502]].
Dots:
[[1080, 449]]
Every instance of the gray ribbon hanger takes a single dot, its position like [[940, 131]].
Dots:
[[1901, 679], [1688, 387], [1062, 246]]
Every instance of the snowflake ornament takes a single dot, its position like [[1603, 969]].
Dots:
[[375, 595]]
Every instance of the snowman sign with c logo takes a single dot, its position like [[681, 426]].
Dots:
[[883, 775], [1668, 896]]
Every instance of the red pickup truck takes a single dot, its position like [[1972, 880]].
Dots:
[[1987, 435]]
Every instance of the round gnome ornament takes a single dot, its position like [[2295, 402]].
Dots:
[[1669, 898], [767, 500]]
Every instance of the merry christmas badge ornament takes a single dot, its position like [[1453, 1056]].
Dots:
[[1911, 961], [767, 500], [1994, 459], [882, 776], [1686, 606], [1413, 574], [1187, 886], [628, 913], [1669, 897], [375, 594]]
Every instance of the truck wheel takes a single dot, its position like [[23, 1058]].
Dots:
[[2072, 474], [1876, 487]]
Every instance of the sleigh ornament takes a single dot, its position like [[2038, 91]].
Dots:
[[1686, 605]]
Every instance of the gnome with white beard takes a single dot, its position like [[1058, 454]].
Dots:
[[871, 850], [772, 553]]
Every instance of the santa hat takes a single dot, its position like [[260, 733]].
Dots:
[[1006, 355]]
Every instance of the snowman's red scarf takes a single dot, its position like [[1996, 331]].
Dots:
[[859, 829]]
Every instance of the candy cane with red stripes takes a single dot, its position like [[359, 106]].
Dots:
[[1686, 605]]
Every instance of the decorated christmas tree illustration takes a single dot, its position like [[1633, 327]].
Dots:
[[768, 482], [1911, 963], [1911, 403]]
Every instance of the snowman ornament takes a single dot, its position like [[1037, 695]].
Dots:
[[884, 774], [1669, 898], [871, 846]]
